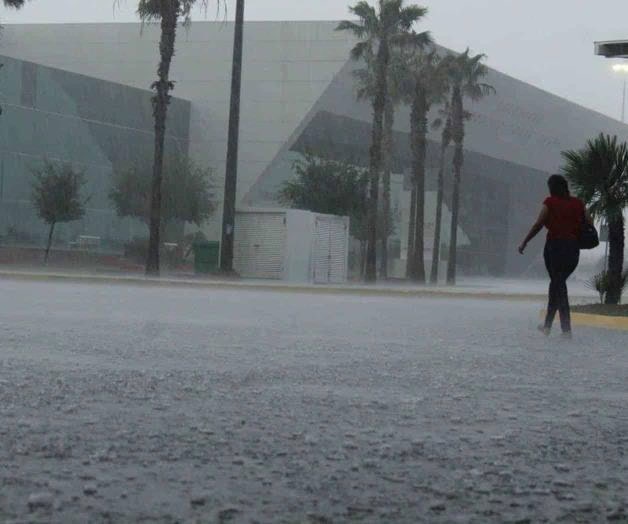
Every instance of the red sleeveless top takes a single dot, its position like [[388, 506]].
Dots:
[[565, 217]]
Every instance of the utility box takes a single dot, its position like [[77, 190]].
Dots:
[[206, 257], [291, 245]]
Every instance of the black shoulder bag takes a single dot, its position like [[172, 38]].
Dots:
[[589, 238]]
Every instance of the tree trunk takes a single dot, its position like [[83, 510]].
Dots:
[[231, 176], [362, 259], [439, 204], [379, 104], [411, 223], [458, 139], [388, 152], [49, 243], [418, 136], [169, 16], [616, 242]]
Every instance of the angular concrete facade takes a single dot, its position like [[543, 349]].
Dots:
[[97, 126], [299, 94], [287, 68]]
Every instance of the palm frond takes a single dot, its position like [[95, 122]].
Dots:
[[599, 175], [151, 10], [361, 50], [411, 15], [368, 18], [357, 29], [363, 10], [412, 40]]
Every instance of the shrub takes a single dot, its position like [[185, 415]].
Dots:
[[601, 284]]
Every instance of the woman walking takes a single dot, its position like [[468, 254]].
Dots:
[[563, 216]]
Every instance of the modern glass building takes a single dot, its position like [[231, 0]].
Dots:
[[299, 95], [98, 127]]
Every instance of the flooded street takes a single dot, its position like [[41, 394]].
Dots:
[[127, 404]]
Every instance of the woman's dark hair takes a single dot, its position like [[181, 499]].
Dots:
[[558, 186]]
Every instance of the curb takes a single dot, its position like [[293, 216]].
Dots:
[[274, 288], [600, 321], [597, 321]]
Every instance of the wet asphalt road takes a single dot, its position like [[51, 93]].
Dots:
[[130, 404]]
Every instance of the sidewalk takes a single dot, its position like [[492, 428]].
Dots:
[[479, 288]]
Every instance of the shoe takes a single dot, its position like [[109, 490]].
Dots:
[[545, 330], [567, 335]]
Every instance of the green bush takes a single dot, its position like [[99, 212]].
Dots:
[[600, 283]]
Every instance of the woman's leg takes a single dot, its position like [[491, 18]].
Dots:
[[569, 262], [563, 304], [552, 302]]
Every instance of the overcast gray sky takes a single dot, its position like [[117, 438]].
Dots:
[[548, 43]]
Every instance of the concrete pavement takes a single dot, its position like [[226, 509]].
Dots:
[[151, 404]]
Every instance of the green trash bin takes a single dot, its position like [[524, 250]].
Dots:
[[206, 257]]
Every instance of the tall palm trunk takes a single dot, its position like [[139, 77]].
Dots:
[[418, 136], [389, 122], [169, 15], [410, 267], [49, 243], [379, 106], [616, 244], [439, 201], [458, 161]]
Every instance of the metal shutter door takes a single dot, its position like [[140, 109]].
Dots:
[[338, 251], [321, 251], [259, 245]]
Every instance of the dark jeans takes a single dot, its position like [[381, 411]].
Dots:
[[561, 260]]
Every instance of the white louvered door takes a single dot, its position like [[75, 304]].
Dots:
[[259, 245], [338, 251], [330, 253], [322, 261]]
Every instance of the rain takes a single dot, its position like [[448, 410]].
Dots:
[[268, 262]]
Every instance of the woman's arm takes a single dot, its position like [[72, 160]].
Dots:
[[536, 228]]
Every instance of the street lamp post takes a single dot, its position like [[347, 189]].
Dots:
[[231, 175], [615, 49], [623, 69]]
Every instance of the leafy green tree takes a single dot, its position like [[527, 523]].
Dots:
[[188, 192], [56, 196], [335, 188], [465, 75], [169, 13], [599, 175], [328, 187], [380, 29]]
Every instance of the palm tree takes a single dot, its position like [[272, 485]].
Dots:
[[15, 4], [599, 175], [444, 124], [425, 86], [466, 73], [378, 30], [366, 91], [169, 13]]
